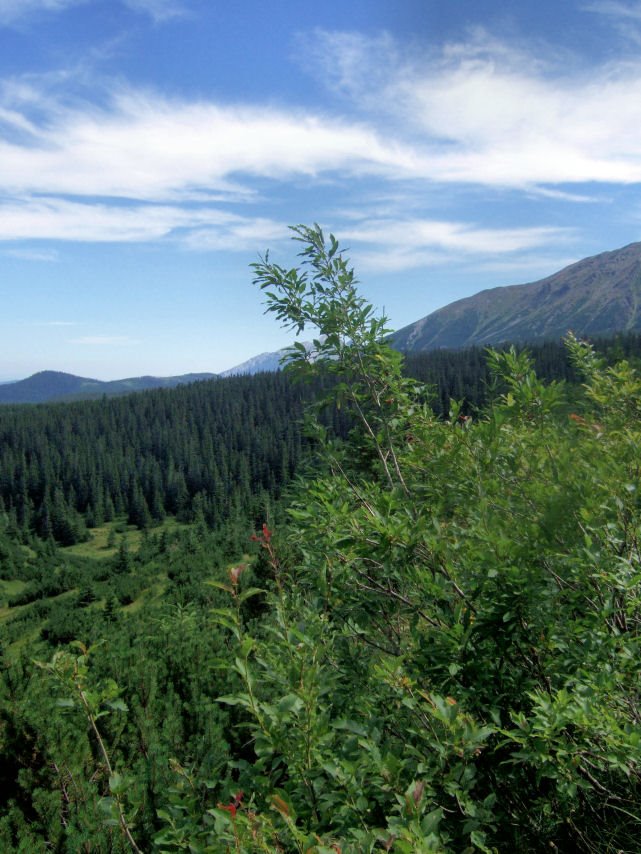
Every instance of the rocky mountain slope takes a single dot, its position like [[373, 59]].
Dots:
[[600, 295]]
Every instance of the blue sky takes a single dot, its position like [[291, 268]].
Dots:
[[151, 149]]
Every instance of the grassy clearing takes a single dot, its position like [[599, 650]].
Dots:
[[11, 588], [155, 592], [102, 546], [7, 590], [105, 544], [26, 641]]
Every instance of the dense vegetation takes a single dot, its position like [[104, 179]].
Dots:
[[430, 644], [223, 447], [466, 375]]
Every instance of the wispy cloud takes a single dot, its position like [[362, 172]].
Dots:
[[564, 196], [122, 149], [237, 234], [57, 323], [131, 165], [527, 267], [197, 227], [476, 113], [104, 340], [615, 8], [483, 112], [625, 18], [12, 11], [394, 245], [463, 237], [159, 10], [45, 255]]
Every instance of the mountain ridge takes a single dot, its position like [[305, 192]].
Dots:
[[259, 364], [596, 296], [49, 386]]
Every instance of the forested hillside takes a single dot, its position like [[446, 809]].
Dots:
[[429, 643], [48, 386], [215, 446], [465, 375]]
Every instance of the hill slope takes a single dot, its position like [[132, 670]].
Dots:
[[257, 364], [55, 385], [596, 296]]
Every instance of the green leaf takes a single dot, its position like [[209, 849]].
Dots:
[[290, 703], [477, 838], [220, 586], [351, 726], [252, 591], [231, 700], [117, 783], [107, 806]]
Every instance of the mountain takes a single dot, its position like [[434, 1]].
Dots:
[[263, 362], [48, 386], [597, 296], [600, 295], [257, 364]]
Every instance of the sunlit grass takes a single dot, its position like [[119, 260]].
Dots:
[[100, 546], [7, 590], [11, 588]]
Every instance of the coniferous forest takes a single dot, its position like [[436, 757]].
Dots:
[[366, 604]]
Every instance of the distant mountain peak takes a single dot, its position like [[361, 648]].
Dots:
[[597, 296], [257, 364], [48, 386], [265, 362]]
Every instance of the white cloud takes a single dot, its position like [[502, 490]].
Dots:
[[527, 267], [383, 243], [478, 113], [462, 237], [197, 227], [48, 255], [393, 245], [616, 9], [485, 113], [12, 11], [141, 167], [625, 18], [103, 340], [145, 147], [55, 219], [159, 10], [237, 234], [564, 196]]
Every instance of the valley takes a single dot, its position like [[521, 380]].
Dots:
[[330, 608]]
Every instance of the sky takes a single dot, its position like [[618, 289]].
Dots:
[[151, 150]]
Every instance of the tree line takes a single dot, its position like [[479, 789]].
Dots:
[[214, 446]]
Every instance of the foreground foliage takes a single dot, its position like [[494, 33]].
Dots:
[[451, 661], [435, 649]]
